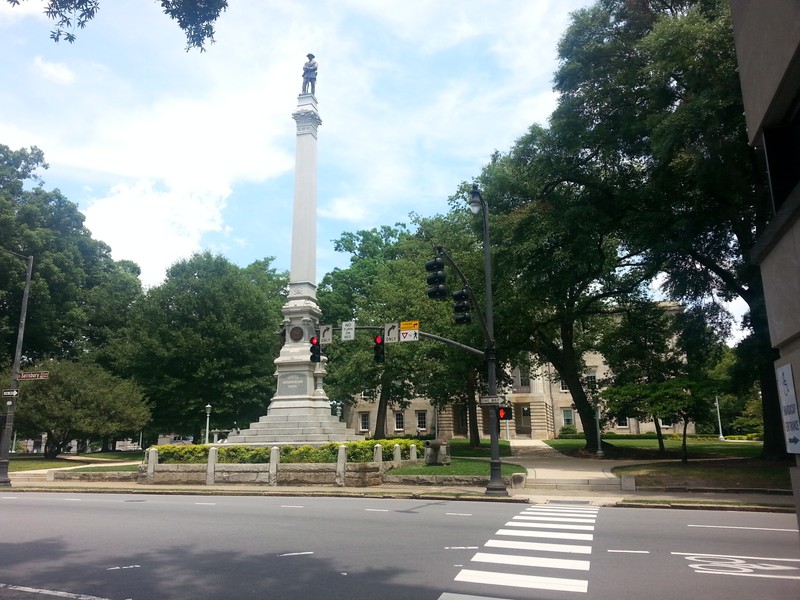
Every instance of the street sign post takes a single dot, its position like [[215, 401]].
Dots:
[[489, 400], [789, 409], [31, 375], [391, 333], [348, 330], [325, 334], [10, 393], [409, 331]]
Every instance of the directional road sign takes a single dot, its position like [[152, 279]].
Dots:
[[10, 393], [489, 400], [325, 334], [409, 331], [789, 409], [348, 330], [391, 333]]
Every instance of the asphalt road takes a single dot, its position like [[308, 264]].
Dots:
[[142, 547]]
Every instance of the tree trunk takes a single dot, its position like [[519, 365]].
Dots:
[[472, 414], [684, 451], [380, 416], [774, 447], [52, 448], [659, 435]]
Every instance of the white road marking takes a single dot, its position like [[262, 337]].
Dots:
[[295, 554], [205, 503], [630, 551], [449, 596], [721, 564], [556, 535], [460, 548], [752, 528], [550, 525], [292, 506], [532, 561], [541, 546], [523, 581], [555, 519], [458, 514], [376, 509], [123, 568], [72, 499], [10, 498], [57, 594]]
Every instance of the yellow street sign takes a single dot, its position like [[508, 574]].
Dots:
[[409, 325]]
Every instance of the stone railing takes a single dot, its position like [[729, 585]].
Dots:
[[341, 473]]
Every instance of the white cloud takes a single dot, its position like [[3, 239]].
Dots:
[[152, 227], [54, 71]]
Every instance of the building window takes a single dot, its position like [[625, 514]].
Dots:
[[399, 421], [567, 417], [363, 421], [622, 421], [422, 420], [564, 387], [591, 382]]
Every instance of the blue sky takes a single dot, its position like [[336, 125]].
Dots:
[[168, 152]]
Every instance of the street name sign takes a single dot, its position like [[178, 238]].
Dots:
[[348, 330], [391, 333], [409, 331], [33, 375], [789, 411], [10, 393], [489, 400]]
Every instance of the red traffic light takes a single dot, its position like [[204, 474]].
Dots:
[[314, 341], [378, 339]]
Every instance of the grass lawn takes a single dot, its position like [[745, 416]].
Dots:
[[712, 463], [461, 447], [32, 462], [458, 466], [109, 469]]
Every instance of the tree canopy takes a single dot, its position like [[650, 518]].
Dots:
[[195, 18]]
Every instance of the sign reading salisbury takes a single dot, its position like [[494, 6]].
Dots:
[[789, 411], [33, 375]]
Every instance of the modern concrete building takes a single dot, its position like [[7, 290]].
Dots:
[[767, 36]]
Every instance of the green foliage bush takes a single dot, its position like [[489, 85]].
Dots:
[[568, 430], [361, 451]]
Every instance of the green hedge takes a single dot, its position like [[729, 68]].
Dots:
[[361, 451]]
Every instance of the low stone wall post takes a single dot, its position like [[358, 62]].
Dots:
[[396, 457], [274, 459], [341, 465], [377, 456], [211, 466], [413, 452], [152, 461]]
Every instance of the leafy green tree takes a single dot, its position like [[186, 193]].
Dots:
[[195, 18], [79, 400], [78, 293], [651, 112], [560, 267], [207, 335]]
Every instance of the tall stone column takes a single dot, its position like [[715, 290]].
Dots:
[[300, 412]]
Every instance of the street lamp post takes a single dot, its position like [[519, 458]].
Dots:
[[496, 486], [719, 419], [208, 418], [5, 444]]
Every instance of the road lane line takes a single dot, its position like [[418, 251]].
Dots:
[[292, 506], [539, 546], [205, 503], [523, 581], [376, 509], [555, 535], [57, 594], [295, 554], [630, 551], [449, 596], [532, 561], [458, 514], [751, 528]]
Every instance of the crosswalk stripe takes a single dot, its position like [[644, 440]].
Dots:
[[556, 535], [532, 561], [555, 519], [552, 513], [450, 596], [523, 581], [550, 525], [539, 546]]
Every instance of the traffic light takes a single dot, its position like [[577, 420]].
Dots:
[[461, 307], [504, 413], [436, 279], [380, 354], [316, 351]]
